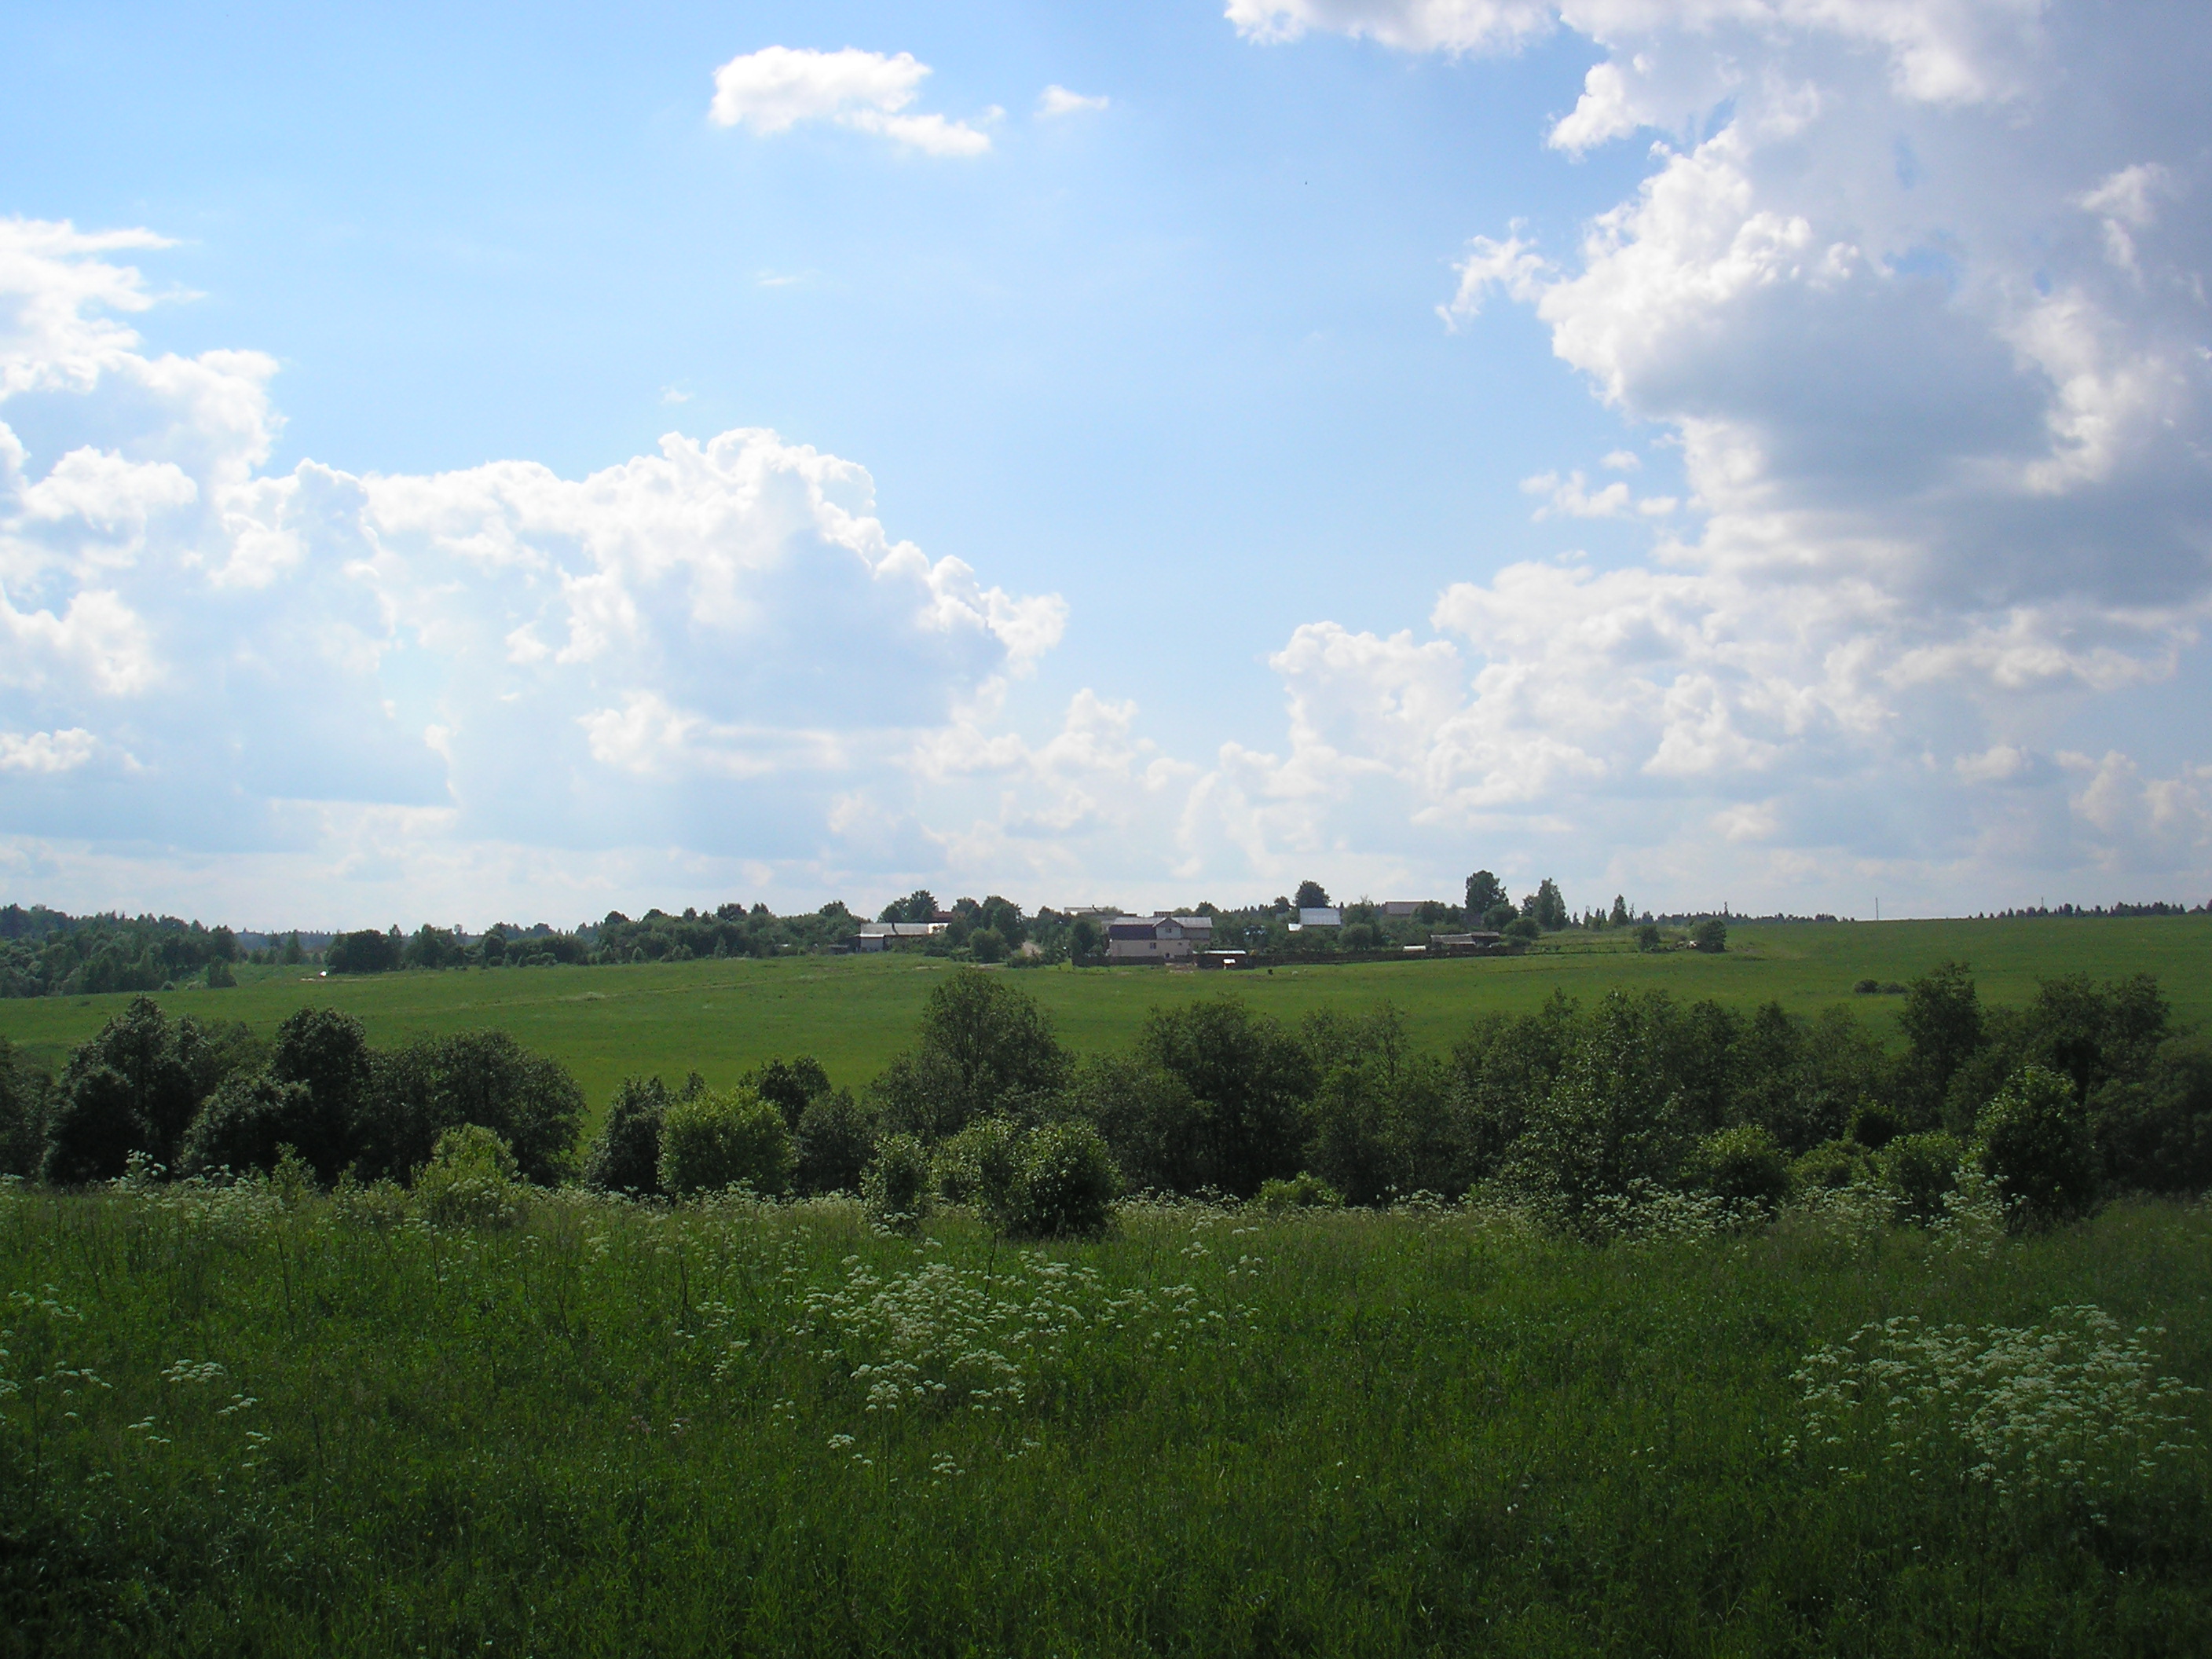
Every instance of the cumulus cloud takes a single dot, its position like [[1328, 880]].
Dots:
[[1059, 100], [1917, 292], [774, 89], [701, 647]]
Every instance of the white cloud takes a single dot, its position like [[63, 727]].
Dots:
[[775, 88], [1059, 100], [1918, 294], [46, 751]]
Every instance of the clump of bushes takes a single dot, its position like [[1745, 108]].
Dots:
[[897, 1189], [470, 1180], [1301, 1191], [2033, 1141], [720, 1139], [1743, 1165]]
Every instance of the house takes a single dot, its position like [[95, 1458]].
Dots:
[[1161, 938], [1465, 945], [1404, 909], [881, 935], [1326, 915]]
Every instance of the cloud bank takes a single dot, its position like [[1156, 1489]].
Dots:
[[1918, 292]]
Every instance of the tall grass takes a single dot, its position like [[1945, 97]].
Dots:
[[254, 1418]]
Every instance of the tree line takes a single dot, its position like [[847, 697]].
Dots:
[[1569, 1110]]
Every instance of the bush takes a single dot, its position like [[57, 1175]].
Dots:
[[714, 1140], [1831, 1165], [2154, 1133], [1709, 936], [981, 1166], [1922, 1169], [896, 1187], [625, 1154], [1648, 936], [220, 976], [470, 1180], [1301, 1191], [836, 1138], [22, 1116], [1066, 1186], [484, 1078], [247, 1123], [2032, 1139], [1875, 1124], [1523, 928], [1742, 1164]]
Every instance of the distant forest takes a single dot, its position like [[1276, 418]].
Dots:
[[46, 953]]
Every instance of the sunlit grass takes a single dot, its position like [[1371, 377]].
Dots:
[[239, 1419]]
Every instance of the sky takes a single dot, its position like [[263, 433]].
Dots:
[[498, 463]]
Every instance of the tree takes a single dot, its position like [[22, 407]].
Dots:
[[1619, 916], [22, 1116], [326, 1052], [1312, 896], [484, 1078], [1709, 936], [788, 1088], [131, 1088], [1249, 1079], [246, 1123], [1545, 907], [1941, 1020], [367, 951], [1086, 941], [625, 1155], [836, 1138], [1484, 893], [984, 1045], [2034, 1140], [920, 905]]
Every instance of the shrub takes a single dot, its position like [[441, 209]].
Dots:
[[719, 1138], [220, 976], [1922, 1169], [2032, 1139], [1523, 928], [1648, 936], [981, 1165], [1743, 1165], [1709, 936], [1301, 1191], [836, 1138], [1066, 1186], [625, 1154], [22, 1116], [1875, 1124], [2154, 1133], [1831, 1165], [897, 1187], [470, 1180], [246, 1125]]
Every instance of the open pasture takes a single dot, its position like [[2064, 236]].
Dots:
[[855, 1012]]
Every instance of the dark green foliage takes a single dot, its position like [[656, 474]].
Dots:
[[719, 1139], [2034, 1140], [1709, 936], [220, 976], [1250, 1080], [624, 1157], [1546, 906], [836, 1138], [132, 1089], [1617, 916], [789, 1086], [1875, 1124], [364, 952], [470, 1180], [1484, 893], [433, 947], [1380, 1123], [1743, 1165], [2154, 1133], [1648, 936], [1154, 1127], [1524, 927], [983, 1046], [1922, 1169], [1941, 1020], [22, 1116], [246, 1122], [898, 1188], [1067, 1185], [45, 953], [326, 1052], [484, 1078], [1310, 895], [1610, 1120]]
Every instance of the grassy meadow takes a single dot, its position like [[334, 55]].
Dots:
[[247, 1421], [855, 1012]]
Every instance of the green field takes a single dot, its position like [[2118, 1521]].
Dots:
[[855, 1012], [234, 1424]]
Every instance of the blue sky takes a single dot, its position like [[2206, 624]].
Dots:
[[1748, 450]]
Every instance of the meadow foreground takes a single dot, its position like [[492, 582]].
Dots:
[[256, 1418]]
